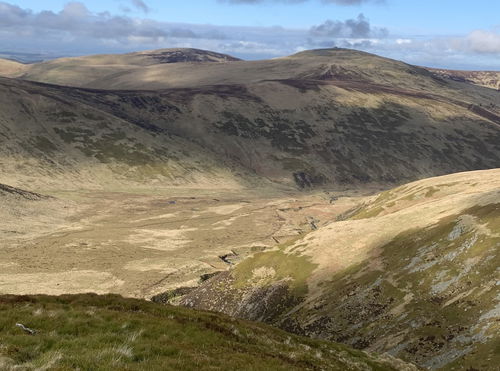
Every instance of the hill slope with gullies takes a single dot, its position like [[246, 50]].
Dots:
[[412, 271], [52, 141], [320, 118]]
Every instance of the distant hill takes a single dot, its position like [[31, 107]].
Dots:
[[331, 117], [11, 68], [99, 69], [489, 79]]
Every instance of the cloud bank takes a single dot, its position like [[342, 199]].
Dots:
[[76, 30]]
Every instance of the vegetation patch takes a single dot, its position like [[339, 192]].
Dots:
[[267, 267], [91, 332], [375, 208], [284, 134]]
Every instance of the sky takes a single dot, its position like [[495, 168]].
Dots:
[[459, 34]]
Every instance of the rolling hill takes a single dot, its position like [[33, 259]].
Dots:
[[96, 69], [322, 118], [489, 79]]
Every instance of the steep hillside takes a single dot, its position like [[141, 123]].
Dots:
[[109, 332], [304, 133], [489, 79], [50, 140], [332, 117], [412, 271]]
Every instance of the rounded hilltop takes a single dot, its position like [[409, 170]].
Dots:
[[331, 52], [179, 55]]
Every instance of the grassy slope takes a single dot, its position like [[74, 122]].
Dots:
[[110, 332], [322, 117], [50, 140], [11, 68], [412, 272]]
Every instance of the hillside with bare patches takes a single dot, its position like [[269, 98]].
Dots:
[[324, 118], [412, 272], [489, 79]]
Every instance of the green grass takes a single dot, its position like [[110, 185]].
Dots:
[[91, 332], [297, 269]]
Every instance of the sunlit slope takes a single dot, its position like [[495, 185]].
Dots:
[[489, 79], [109, 332], [182, 68], [11, 68], [412, 271], [101, 69]]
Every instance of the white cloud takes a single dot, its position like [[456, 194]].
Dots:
[[403, 41], [484, 42]]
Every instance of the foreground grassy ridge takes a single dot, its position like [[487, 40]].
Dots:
[[109, 332]]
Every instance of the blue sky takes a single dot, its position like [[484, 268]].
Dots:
[[439, 33]]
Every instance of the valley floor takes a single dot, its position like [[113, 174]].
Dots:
[[142, 244]]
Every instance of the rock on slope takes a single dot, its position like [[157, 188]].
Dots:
[[412, 272], [118, 333]]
